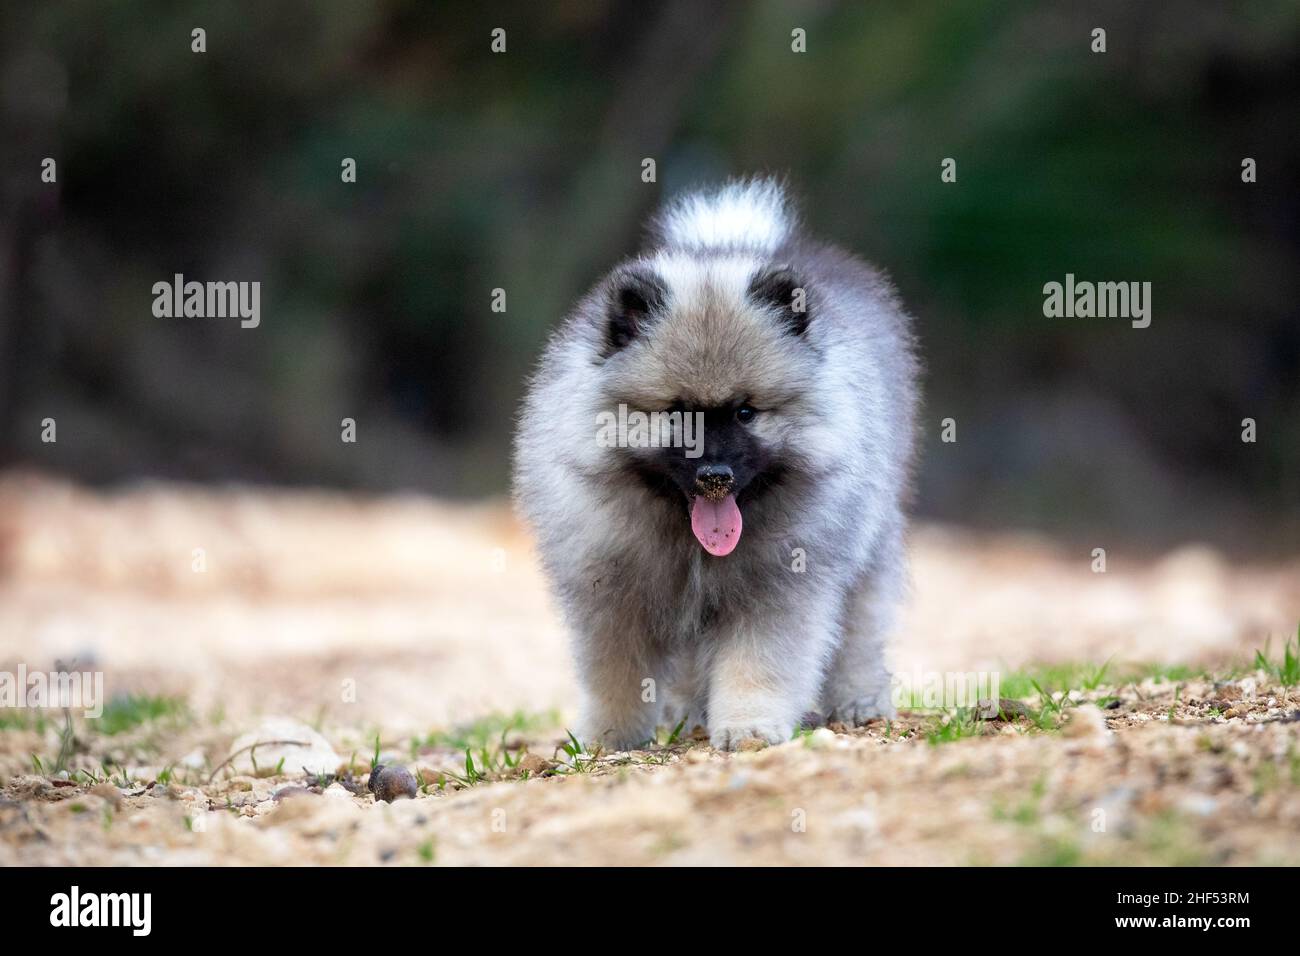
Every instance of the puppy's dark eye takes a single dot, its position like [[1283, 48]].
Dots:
[[746, 414]]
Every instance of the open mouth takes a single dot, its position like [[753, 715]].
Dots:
[[711, 501], [716, 523]]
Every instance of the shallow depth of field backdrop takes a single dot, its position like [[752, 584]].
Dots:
[[393, 563], [521, 171]]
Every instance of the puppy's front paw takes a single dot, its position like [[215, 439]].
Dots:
[[860, 711], [748, 736]]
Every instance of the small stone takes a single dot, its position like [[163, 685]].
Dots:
[[534, 764], [1007, 709], [427, 776], [283, 743], [390, 783], [1232, 712], [751, 744], [697, 755]]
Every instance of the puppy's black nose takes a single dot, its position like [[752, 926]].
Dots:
[[714, 481]]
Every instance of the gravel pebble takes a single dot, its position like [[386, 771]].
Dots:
[[534, 764], [392, 782]]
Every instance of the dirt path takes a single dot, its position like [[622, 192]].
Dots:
[[425, 625]]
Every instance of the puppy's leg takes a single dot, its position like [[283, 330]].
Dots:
[[765, 676], [686, 702], [619, 709], [857, 688]]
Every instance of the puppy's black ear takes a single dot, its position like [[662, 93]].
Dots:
[[781, 289], [635, 295]]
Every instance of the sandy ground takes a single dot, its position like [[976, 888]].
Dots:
[[427, 626]]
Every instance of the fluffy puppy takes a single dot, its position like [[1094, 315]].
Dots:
[[714, 455]]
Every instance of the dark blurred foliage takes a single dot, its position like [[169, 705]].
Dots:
[[521, 171]]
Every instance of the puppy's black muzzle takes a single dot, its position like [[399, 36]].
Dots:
[[714, 482]]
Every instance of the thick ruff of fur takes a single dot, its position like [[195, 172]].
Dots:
[[795, 617]]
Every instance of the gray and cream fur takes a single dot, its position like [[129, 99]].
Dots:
[[800, 360]]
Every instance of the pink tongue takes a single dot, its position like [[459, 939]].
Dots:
[[716, 524]]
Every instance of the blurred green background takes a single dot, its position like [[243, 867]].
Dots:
[[522, 171]]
